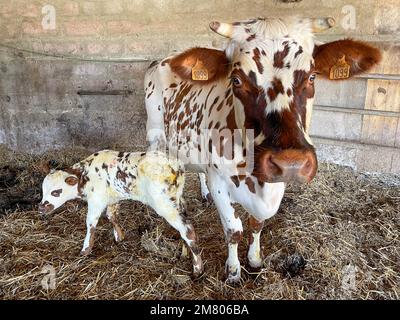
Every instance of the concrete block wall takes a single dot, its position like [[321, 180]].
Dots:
[[106, 45]]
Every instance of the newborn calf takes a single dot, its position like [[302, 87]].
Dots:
[[106, 177]]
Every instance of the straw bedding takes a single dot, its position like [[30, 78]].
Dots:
[[336, 238]]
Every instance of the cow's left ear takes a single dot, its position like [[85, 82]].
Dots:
[[334, 58]]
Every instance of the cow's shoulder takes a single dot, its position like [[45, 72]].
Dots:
[[213, 61]]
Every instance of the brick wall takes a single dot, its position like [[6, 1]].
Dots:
[[39, 105]]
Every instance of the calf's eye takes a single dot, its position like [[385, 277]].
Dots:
[[312, 78], [56, 193]]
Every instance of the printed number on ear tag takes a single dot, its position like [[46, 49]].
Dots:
[[199, 72], [340, 70]]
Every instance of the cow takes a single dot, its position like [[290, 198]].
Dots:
[[107, 177], [240, 117]]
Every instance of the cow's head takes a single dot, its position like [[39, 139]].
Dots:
[[59, 186], [274, 66]]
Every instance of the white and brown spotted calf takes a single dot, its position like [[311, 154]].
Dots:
[[241, 116], [107, 177]]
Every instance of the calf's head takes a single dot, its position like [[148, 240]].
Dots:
[[274, 63], [59, 186]]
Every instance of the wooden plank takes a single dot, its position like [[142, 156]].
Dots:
[[336, 125], [379, 130], [341, 94], [383, 95]]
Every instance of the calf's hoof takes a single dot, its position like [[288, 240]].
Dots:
[[85, 252], [119, 235], [198, 267]]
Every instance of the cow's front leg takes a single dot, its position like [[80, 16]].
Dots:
[[112, 213], [92, 218], [233, 230], [254, 254]]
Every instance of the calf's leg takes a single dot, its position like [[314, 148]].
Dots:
[[92, 218], [112, 213], [176, 216]]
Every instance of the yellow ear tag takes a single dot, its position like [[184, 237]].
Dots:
[[199, 72], [340, 70]]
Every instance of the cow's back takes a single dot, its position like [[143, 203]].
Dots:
[[183, 111]]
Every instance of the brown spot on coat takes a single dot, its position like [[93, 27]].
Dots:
[[279, 56], [277, 88], [250, 184], [257, 60], [234, 236], [235, 180]]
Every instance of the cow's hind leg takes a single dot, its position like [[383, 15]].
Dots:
[[112, 213], [254, 254], [175, 215], [205, 193]]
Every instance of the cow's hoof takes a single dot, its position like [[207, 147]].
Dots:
[[232, 275], [254, 266], [208, 199], [233, 279], [254, 269]]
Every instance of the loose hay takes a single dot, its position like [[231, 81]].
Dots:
[[333, 239]]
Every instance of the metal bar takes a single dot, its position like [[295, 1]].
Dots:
[[358, 111], [105, 93], [379, 76], [352, 143]]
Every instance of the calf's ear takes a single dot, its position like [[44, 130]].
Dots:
[[46, 167], [357, 56], [71, 180]]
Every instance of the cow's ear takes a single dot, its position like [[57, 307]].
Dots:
[[200, 65], [334, 58], [71, 180]]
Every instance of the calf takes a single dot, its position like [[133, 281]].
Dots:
[[107, 177]]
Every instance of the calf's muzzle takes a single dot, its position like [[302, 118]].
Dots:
[[45, 207]]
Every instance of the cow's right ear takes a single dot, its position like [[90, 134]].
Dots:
[[71, 180]]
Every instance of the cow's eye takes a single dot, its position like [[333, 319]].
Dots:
[[56, 193], [236, 81], [312, 78]]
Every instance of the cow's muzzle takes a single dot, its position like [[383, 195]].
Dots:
[[291, 165], [46, 208]]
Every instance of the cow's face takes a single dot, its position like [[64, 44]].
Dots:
[[274, 66], [58, 187]]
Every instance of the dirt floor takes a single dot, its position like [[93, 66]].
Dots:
[[337, 238]]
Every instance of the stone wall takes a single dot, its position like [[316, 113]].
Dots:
[[103, 48]]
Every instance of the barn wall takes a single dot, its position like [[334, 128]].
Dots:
[[106, 47]]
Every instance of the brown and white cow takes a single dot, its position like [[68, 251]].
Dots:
[[241, 116]]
